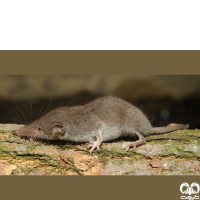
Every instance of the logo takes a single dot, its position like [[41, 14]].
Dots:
[[189, 190]]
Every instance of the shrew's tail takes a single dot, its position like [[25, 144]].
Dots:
[[169, 128]]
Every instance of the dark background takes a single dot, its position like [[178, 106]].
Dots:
[[164, 99]]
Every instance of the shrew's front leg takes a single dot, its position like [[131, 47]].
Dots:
[[96, 144]]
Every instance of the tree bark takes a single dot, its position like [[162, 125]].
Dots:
[[176, 153]]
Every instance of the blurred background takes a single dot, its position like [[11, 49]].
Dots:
[[164, 99]]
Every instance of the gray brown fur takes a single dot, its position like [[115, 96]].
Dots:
[[113, 116]]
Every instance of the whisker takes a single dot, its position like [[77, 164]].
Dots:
[[42, 107], [31, 109], [47, 107], [18, 118], [22, 114], [16, 121], [28, 114]]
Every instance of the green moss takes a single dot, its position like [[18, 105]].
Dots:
[[8, 154], [177, 149], [113, 154], [180, 135], [28, 169], [129, 173], [104, 161], [48, 161]]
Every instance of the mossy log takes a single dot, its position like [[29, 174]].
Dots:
[[175, 153]]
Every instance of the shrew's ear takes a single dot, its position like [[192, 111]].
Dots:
[[58, 129]]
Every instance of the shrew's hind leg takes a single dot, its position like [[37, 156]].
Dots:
[[141, 140]]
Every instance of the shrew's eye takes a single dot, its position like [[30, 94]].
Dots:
[[39, 129]]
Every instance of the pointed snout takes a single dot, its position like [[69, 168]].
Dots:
[[28, 131], [20, 133], [16, 133]]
